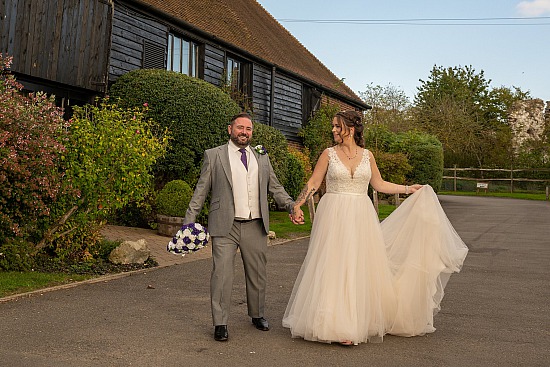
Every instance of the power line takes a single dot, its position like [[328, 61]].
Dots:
[[427, 21]]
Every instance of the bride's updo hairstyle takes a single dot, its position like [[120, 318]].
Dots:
[[349, 119]]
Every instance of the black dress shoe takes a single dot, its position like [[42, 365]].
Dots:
[[260, 323], [220, 333]]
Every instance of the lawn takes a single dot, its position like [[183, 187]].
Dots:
[[12, 282], [515, 195]]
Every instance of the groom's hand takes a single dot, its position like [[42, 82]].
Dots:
[[297, 216]]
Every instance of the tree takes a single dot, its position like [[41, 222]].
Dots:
[[457, 105], [390, 107]]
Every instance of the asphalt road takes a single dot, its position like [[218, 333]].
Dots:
[[496, 312]]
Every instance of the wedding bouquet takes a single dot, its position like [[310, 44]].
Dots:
[[190, 238]]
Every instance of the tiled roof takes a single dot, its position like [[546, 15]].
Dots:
[[249, 27]]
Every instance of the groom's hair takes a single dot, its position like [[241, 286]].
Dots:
[[242, 114]]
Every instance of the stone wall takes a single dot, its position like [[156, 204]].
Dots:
[[528, 120]]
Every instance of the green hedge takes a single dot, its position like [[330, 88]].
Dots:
[[195, 113], [317, 133], [425, 155], [174, 198], [276, 145]]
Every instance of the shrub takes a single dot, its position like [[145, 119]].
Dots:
[[30, 150], [136, 213], [107, 164], [425, 155], [317, 133], [303, 158], [296, 176], [195, 113], [174, 198], [277, 148], [379, 138], [393, 167], [15, 255]]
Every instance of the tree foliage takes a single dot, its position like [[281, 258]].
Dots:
[[390, 107], [457, 105], [107, 164], [317, 133]]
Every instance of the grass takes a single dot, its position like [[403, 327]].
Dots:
[[12, 282], [515, 195], [48, 272], [284, 228]]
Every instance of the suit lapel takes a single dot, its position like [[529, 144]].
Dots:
[[261, 163], [224, 159]]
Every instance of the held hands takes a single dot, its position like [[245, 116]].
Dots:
[[297, 216]]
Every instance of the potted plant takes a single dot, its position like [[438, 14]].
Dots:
[[172, 202]]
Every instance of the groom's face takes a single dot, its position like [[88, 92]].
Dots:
[[240, 131]]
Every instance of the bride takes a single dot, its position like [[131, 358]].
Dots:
[[361, 279]]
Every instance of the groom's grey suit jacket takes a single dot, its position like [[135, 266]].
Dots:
[[216, 178]]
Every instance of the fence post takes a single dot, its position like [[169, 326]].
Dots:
[[547, 192], [511, 179], [397, 201], [454, 186]]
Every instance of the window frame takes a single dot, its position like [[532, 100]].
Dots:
[[188, 55]]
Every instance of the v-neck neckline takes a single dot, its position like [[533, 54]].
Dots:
[[350, 171]]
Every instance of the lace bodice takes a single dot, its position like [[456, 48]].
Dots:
[[339, 178]]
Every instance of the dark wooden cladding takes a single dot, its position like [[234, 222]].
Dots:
[[66, 41], [131, 31], [261, 93], [287, 107], [214, 64]]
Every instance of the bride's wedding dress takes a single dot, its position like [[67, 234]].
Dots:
[[362, 279]]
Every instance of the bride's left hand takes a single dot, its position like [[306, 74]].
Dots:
[[414, 188]]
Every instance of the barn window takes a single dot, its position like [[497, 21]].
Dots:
[[238, 77], [183, 56]]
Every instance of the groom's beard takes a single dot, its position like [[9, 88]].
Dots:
[[241, 140]]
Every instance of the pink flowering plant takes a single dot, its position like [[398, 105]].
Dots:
[[31, 147]]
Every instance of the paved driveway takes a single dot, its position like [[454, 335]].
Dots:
[[495, 313]]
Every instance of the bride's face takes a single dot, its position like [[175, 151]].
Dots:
[[339, 132]]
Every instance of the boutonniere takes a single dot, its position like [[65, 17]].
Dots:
[[260, 149]]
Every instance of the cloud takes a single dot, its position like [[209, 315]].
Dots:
[[534, 8]]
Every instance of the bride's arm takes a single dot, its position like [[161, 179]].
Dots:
[[314, 181], [386, 187]]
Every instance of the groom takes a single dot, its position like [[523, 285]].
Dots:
[[239, 180]]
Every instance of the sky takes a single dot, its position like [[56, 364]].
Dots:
[[398, 42]]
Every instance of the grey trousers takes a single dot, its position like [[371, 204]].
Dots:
[[251, 239]]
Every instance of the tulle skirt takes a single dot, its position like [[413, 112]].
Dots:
[[361, 279]]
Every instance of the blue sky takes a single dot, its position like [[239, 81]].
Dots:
[[511, 52]]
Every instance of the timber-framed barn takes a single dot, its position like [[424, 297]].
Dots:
[[76, 49]]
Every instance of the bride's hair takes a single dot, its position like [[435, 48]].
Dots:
[[353, 119]]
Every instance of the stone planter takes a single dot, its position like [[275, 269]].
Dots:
[[167, 225]]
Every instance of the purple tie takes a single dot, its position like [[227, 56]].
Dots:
[[243, 157]]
